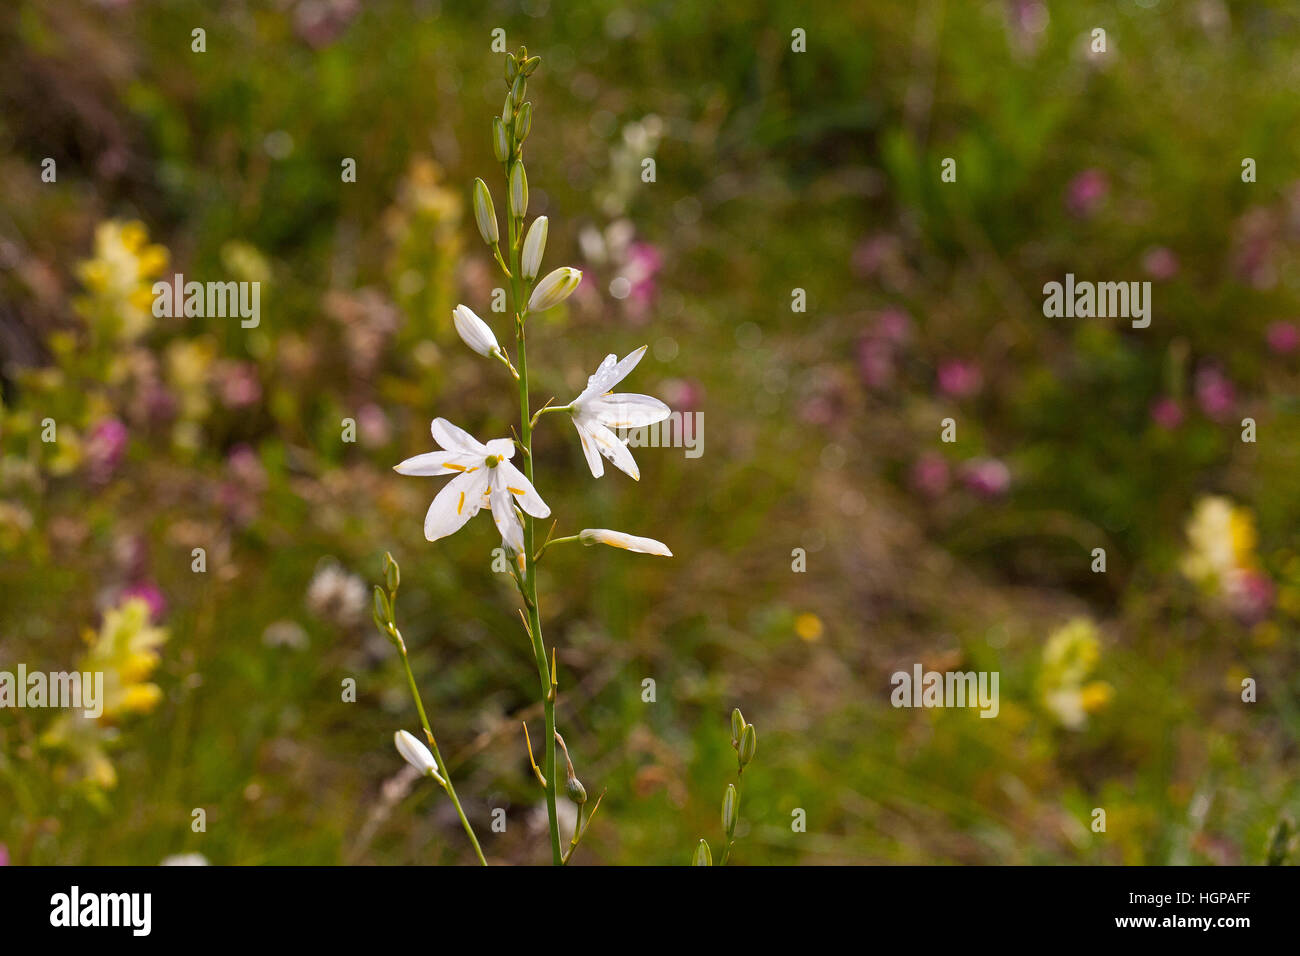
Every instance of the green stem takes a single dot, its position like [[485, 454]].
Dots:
[[437, 757], [530, 565]]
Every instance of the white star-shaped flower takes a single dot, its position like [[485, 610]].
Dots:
[[597, 410], [484, 477]]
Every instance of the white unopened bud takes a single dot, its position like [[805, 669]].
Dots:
[[518, 191], [473, 331], [485, 213], [417, 755], [534, 246], [554, 289], [628, 542]]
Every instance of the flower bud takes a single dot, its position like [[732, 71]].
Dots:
[[554, 289], [512, 68], [730, 810], [518, 191], [508, 111], [523, 122], [748, 744], [485, 213], [737, 726], [517, 89], [500, 140], [577, 792], [530, 64], [703, 857], [382, 612], [417, 755], [534, 246], [392, 573], [618, 539], [473, 331]]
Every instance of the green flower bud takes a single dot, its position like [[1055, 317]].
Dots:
[[517, 89], [702, 855], [523, 122], [508, 111], [500, 140], [485, 213], [737, 726], [577, 792], [383, 612], [748, 744], [518, 191], [532, 63], [392, 573], [730, 810], [512, 68]]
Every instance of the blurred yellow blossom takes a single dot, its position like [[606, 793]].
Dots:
[[808, 627], [1070, 655], [126, 652], [1221, 558], [119, 278]]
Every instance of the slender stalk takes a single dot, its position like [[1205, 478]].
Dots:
[[433, 746], [530, 565]]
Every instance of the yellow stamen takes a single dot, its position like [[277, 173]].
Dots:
[[461, 504]]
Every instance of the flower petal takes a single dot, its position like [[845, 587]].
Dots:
[[501, 447], [609, 374], [453, 438], [437, 463], [589, 449], [628, 410], [507, 522], [516, 484], [459, 500], [613, 448]]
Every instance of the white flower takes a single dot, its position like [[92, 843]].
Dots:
[[554, 289], [473, 331], [597, 410], [417, 755], [484, 213], [628, 542], [485, 478], [534, 246]]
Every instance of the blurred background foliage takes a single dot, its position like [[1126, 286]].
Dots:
[[775, 170]]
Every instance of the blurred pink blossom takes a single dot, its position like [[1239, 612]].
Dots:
[[238, 385], [373, 427], [240, 493], [105, 449], [1086, 192], [959, 378], [987, 477], [151, 594], [1166, 413], [1282, 337], [1160, 262], [1250, 595], [931, 475], [1215, 394]]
